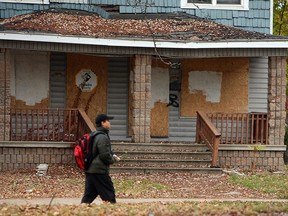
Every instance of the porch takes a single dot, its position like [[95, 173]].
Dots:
[[222, 140], [67, 125]]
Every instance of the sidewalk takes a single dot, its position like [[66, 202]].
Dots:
[[75, 201]]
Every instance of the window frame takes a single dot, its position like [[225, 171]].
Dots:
[[243, 6], [26, 1]]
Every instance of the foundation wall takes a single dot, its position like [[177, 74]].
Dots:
[[248, 160], [30, 156]]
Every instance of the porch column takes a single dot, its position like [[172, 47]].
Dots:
[[277, 100], [4, 95], [141, 96]]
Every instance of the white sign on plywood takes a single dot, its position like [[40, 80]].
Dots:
[[86, 80], [159, 85], [209, 82], [30, 81]]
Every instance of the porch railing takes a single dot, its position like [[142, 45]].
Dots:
[[49, 124], [205, 131], [241, 128], [43, 124], [231, 128]]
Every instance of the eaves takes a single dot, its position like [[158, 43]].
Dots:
[[169, 48]]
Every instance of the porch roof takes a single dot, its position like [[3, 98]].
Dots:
[[174, 30]]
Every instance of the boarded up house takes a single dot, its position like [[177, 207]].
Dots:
[[169, 71]]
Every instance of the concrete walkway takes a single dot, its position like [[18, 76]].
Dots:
[[75, 201]]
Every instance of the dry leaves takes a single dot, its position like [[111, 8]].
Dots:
[[179, 27], [68, 181]]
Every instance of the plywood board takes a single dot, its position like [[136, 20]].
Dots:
[[30, 80], [159, 120], [214, 85], [93, 102], [159, 123]]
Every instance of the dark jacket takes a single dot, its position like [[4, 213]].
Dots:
[[103, 152]]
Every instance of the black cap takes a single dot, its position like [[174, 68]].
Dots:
[[103, 117]]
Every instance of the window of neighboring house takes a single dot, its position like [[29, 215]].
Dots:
[[27, 1], [216, 4]]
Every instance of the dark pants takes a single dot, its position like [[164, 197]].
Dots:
[[98, 184]]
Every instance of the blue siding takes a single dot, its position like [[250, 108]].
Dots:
[[257, 18], [9, 10]]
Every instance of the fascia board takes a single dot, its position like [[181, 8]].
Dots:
[[144, 43]]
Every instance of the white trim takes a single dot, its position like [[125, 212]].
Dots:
[[27, 1], [128, 42], [244, 5]]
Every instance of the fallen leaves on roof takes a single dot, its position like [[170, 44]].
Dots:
[[92, 25]]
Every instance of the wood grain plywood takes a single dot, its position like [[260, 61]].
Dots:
[[159, 120], [159, 123], [233, 91], [93, 102]]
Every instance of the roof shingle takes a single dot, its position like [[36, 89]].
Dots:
[[168, 27]]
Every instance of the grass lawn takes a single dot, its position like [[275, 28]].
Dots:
[[272, 184]]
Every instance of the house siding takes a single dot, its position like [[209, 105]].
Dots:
[[258, 85], [58, 79], [257, 18]]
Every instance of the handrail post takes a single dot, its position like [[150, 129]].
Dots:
[[215, 152], [207, 132], [198, 122]]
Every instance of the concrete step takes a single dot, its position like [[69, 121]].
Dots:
[[180, 163], [164, 155], [170, 147], [148, 170]]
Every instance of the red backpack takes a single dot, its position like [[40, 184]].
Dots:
[[83, 150]]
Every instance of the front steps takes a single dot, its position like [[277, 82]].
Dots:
[[163, 157]]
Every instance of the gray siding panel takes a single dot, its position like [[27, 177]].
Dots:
[[117, 100], [258, 85], [57, 80]]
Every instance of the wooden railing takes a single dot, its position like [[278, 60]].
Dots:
[[205, 131], [231, 128], [85, 125], [43, 124], [241, 128], [49, 124]]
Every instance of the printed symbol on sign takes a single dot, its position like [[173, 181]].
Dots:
[[86, 77], [86, 80]]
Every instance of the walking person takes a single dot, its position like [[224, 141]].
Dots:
[[97, 178]]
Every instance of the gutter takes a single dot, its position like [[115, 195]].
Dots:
[[144, 43]]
